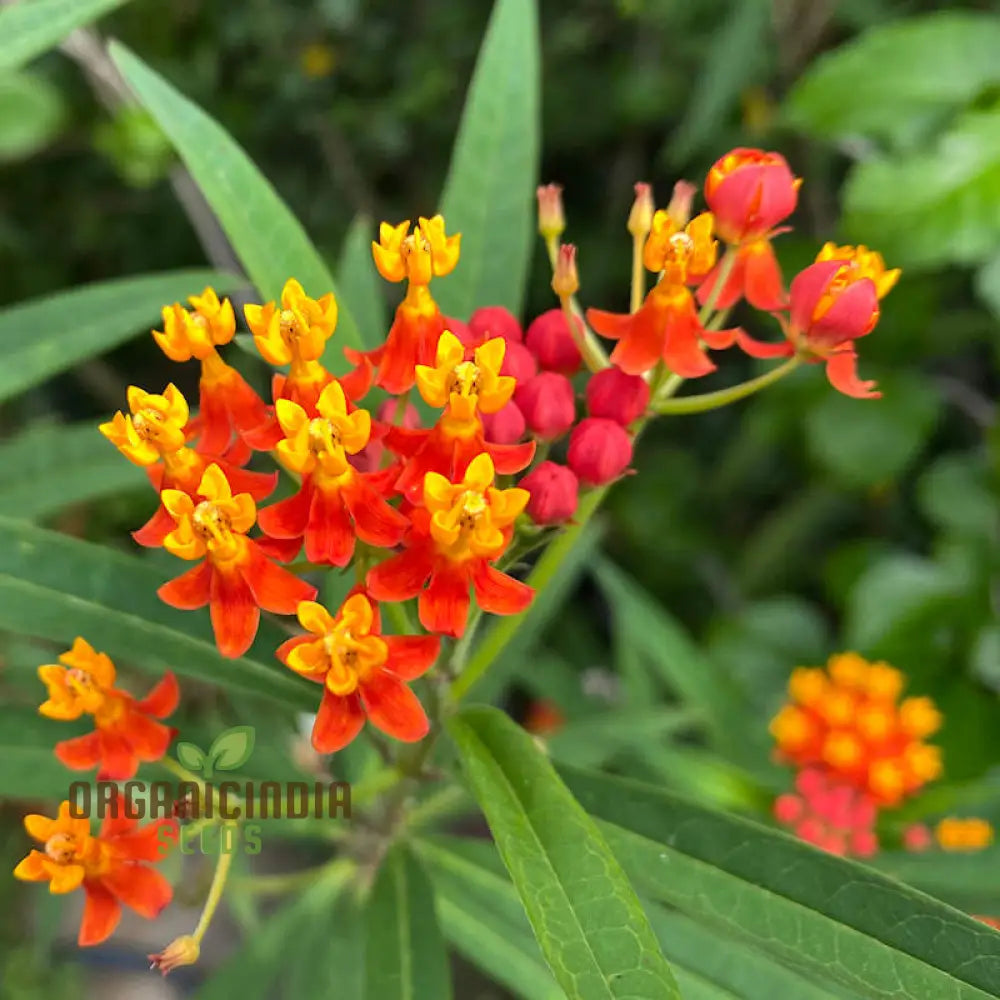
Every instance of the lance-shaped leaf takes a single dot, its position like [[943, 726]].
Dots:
[[406, 957], [836, 920], [360, 285], [269, 241], [489, 194], [48, 335], [585, 915], [31, 27], [56, 587]]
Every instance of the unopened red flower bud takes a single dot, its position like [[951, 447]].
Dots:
[[599, 450], [749, 192], [548, 404], [831, 302], [620, 397], [495, 321], [551, 220], [549, 339], [788, 809], [184, 950], [640, 218], [519, 362], [681, 201], [565, 280], [505, 426], [554, 493], [917, 837]]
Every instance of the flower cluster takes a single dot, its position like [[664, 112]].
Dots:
[[529, 427], [859, 749], [112, 867]]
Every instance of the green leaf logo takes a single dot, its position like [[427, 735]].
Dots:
[[191, 756], [232, 748]]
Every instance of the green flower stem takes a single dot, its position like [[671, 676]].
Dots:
[[497, 639], [399, 614], [217, 888], [714, 400], [591, 348], [725, 270]]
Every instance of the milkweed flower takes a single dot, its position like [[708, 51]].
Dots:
[[153, 435], [228, 405], [336, 504], [364, 673], [462, 529], [465, 390], [750, 192], [295, 332], [126, 730], [551, 341], [954, 833], [416, 258], [112, 868], [234, 577], [834, 302], [848, 721], [599, 450], [666, 327]]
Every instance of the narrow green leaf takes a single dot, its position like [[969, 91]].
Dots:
[[831, 918], [56, 587], [51, 466], [406, 957], [489, 194], [670, 653], [359, 284], [49, 335], [584, 913], [268, 239], [31, 27]]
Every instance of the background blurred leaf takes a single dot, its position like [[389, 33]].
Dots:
[[864, 444], [55, 587], [894, 600], [833, 919], [738, 54], [135, 145], [406, 958], [935, 206], [360, 285], [49, 467], [30, 28], [49, 335], [489, 194], [921, 68], [267, 238], [31, 113], [954, 493], [584, 913], [28, 767]]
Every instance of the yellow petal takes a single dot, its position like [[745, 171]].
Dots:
[[292, 294], [450, 351], [65, 878], [438, 491], [214, 485], [177, 503], [332, 401], [313, 617], [290, 416], [357, 614], [480, 473], [431, 384], [491, 354]]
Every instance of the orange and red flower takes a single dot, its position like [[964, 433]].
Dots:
[[296, 335], [833, 302], [415, 258], [234, 577], [153, 436], [666, 327], [335, 504], [465, 390], [462, 529], [848, 721], [126, 731], [228, 405], [363, 672], [113, 867]]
